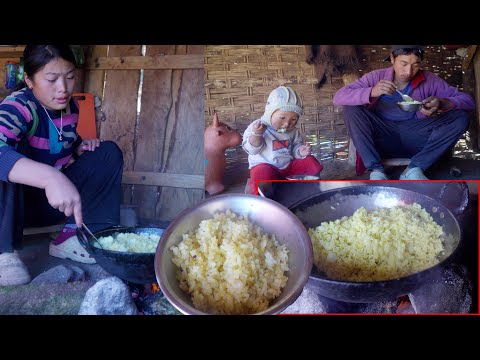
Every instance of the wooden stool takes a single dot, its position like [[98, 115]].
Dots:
[[352, 158], [396, 162]]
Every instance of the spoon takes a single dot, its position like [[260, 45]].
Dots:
[[261, 193], [405, 97], [88, 230]]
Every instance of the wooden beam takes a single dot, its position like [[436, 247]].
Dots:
[[43, 230], [155, 62], [472, 49], [11, 54], [94, 79], [396, 162], [164, 179], [11, 51], [476, 71]]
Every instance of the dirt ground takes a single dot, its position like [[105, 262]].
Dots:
[[452, 169]]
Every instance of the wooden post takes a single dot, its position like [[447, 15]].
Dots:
[[476, 70], [94, 78], [352, 153]]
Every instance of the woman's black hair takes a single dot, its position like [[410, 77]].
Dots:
[[35, 57]]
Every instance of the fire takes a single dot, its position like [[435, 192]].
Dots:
[[404, 305]]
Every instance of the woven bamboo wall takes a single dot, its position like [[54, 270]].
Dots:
[[238, 79]]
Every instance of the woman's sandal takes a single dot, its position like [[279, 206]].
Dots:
[[71, 249]]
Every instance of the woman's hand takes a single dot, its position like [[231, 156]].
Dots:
[[87, 145], [64, 196], [305, 150], [60, 191]]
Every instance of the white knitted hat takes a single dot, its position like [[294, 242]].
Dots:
[[281, 98]]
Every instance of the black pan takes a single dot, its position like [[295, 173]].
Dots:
[[137, 268], [334, 204]]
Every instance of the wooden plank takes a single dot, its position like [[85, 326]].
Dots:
[[396, 162], [127, 191], [156, 104], [7, 48], [164, 179], [42, 230], [94, 84], [184, 132], [476, 70], [120, 105], [468, 82], [11, 51], [472, 49], [156, 62], [94, 78]]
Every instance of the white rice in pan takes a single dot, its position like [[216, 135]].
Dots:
[[383, 244], [129, 242]]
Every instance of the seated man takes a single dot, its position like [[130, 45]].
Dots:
[[379, 128]]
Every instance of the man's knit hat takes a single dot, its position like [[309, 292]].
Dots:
[[281, 98]]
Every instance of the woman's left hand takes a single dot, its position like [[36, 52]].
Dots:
[[88, 145], [305, 150]]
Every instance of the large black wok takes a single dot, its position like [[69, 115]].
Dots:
[[137, 268], [334, 204]]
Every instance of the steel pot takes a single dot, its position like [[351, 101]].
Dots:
[[272, 217], [334, 204]]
